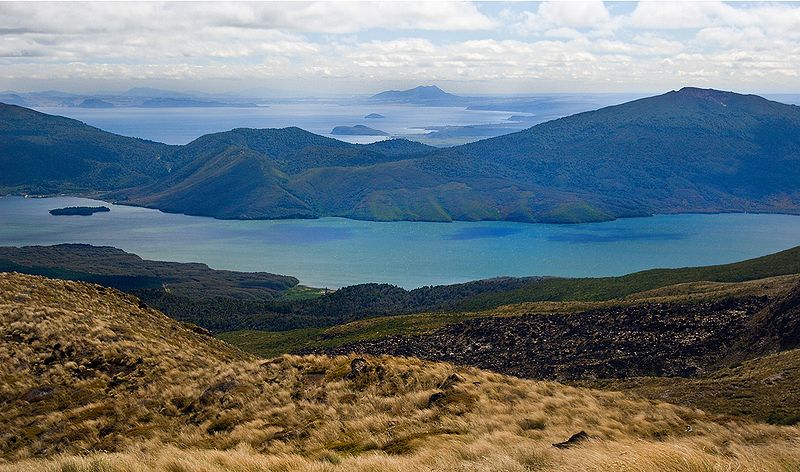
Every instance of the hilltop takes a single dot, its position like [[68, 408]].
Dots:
[[139, 391]]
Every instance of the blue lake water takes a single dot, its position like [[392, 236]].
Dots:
[[182, 125], [333, 252]]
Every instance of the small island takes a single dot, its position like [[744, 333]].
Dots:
[[374, 116], [95, 103], [79, 210], [358, 130]]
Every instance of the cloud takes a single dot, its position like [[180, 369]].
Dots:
[[316, 17], [557, 16], [583, 46]]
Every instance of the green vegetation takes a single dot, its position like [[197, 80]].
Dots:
[[267, 302], [274, 343], [635, 159], [607, 288], [300, 293], [44, 154], [760, 276], [79, 210]]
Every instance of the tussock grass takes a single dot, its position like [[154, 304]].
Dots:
[[94, 381]]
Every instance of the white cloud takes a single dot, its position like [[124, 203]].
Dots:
[[559, 15], [556, 45], [317, 17]]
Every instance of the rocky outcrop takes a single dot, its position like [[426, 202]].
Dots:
[[775, 328]]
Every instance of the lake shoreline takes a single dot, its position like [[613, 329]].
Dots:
[[334, 252], [99, 196]]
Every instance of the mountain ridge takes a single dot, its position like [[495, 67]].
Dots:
[[686, 151]]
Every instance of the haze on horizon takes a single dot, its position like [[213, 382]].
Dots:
[[320, 48]]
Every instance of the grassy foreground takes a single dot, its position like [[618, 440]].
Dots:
[[91, 380]]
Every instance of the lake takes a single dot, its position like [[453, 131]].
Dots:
[[334, 252], [182, 125]]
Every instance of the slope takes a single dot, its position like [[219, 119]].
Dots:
[[249, 173], [42, 153], [691, 150], [92, 380]]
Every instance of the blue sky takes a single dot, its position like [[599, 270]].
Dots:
[[350, 47]]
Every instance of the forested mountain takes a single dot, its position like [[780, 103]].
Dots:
[[691, 150], [42, 153]]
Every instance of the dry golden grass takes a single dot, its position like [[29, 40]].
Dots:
[[91, 381], [678, 293]]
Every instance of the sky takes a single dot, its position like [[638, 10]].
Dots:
[[319, 48]]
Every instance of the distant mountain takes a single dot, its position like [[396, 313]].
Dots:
[[171, 102], [691, 150], [357, 130], [149, 92], [422, 95], [374, 116], [135, 97], [42, 154], [13, 98]]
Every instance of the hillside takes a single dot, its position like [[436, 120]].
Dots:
[[688, 150], [653, 155], [252, 174], [116, 268], [765, 388], [691, 150], [43, 154], [93, 380]]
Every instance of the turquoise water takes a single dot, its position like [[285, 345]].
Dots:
[[333, 252]]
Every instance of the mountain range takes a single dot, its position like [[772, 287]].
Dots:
[[144, 97], [692, 150]]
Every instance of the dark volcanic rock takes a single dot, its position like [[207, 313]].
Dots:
[[358, 367], [775, 328], [573, 440], [638, 340]]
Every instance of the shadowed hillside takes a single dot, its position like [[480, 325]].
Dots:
[[44, 154], [93, 380]]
